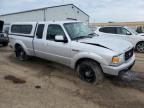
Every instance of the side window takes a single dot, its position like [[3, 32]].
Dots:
[[108, 30], [54, 30], [23, 29], [122, 31], [40, 29]]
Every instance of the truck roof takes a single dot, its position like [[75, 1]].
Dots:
[[52, 22]]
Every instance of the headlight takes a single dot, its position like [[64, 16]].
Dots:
[[117, 60]]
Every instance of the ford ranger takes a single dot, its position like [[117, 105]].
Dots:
[[73, 44]]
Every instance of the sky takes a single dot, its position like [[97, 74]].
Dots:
[[98, 10]]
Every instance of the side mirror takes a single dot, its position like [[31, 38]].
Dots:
[[60, 38], [128, 33]]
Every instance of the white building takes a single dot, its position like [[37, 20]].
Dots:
[[62, 12]]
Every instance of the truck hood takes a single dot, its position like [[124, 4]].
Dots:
[[141, 34], [110, 43]]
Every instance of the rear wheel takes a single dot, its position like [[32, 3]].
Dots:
[[140, 47], [20, 53], [90, 71]]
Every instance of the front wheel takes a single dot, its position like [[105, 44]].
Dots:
[[90, 71], [140, 47], [20, 53]]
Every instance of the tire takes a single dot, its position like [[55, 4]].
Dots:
[[5, 44], [90, 72], [20, 53], [140, 47]]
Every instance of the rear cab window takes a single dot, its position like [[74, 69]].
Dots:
[[22, 29]]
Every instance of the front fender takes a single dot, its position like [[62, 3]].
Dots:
[[88, 55]]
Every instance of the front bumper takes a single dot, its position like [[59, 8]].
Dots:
[[112, 70]]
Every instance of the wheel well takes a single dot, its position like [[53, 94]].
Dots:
[[85, 59], [17, 45], [139, 42]]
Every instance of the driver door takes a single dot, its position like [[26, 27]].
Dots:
[[57, 51]]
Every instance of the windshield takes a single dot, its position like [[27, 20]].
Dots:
[[78, 30], [132, 30]]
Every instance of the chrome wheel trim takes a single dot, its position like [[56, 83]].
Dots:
[[140, 47]]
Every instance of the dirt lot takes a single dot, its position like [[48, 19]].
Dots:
[[49, 85]]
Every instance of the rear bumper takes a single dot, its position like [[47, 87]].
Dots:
[[112, 70]]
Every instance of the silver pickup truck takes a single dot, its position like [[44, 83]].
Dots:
[[73, 44]]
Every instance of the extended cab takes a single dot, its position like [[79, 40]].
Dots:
[[73, 44]]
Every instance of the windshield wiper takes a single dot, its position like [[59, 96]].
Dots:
[[92, 34], [80, 37]]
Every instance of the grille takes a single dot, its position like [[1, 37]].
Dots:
[[129, 54]]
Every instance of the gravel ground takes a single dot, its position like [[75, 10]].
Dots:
[[39, 83]]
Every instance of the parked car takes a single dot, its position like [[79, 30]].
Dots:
[[3, 37], [4, 40], [73, 44], [124, 33]]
